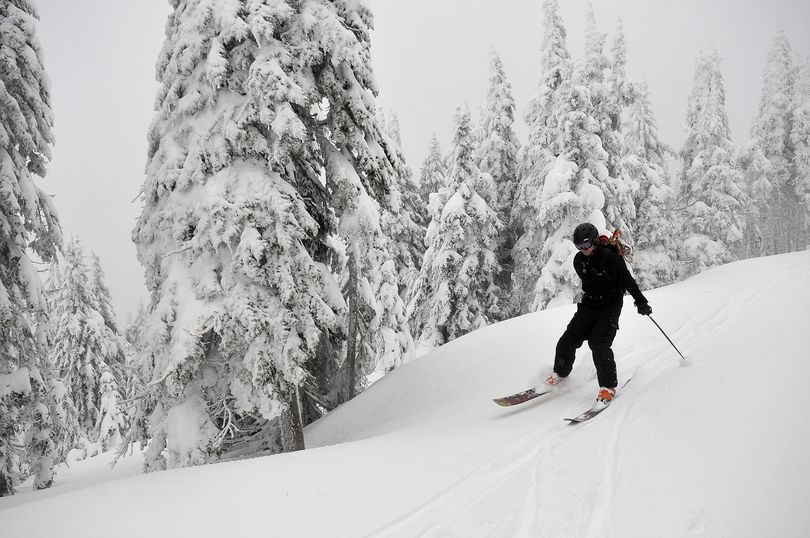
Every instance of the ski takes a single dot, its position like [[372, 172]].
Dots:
[[590, 413], [519, 398], [597, 408]]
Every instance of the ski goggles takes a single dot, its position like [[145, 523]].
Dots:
[[584, 245]]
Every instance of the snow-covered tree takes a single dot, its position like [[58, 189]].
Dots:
[[541, 115], [378, 334], [621, 89], [134, 325], [654, 253], [266, 159], [499, 148], [366, 174], [102, 293], [756, 169], [800, 138], [605, 107], [111, 421], [457, 282], [711, 197], [406, 226], [29, 398], [84, 346], [537, 156], [433, 174], [771, 131], [498, 158], [233, 232]]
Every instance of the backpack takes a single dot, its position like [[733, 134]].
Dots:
[[615, 244]]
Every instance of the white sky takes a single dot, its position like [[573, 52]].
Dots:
[[429, 57]]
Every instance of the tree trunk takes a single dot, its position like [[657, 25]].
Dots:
[[5, 485], [292, 429], [351, 345]]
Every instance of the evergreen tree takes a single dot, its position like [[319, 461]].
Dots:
[[30, 410], [621, 89], [378, 334], [265, 157], [111, 420], [457, 282], [102, 294], [499, 160], [756, 169], [405, 226], [135, 324], [84, 345], [432, 179], [364, 171], [536, 157], [605, 108], [654, 253], [771, 131], [711, 197], [800, 138], [433, 175]]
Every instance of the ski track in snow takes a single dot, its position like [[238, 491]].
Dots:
[[699, 524], [530, 458], [432, 517]]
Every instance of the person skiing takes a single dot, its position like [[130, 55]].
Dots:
[[605, 279]]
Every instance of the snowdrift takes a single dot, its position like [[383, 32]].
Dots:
[[715, 449]]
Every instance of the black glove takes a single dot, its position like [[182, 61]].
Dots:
[[644, 309]]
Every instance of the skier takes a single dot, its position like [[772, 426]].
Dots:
[[605, 278]]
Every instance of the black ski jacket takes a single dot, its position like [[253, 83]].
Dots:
[[605, 278]]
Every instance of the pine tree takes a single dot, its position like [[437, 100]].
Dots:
[[800, 138], [621, 89], [457, 282], [29, 399], [265, 157], [102, 294], [111, 421], [84, 345], [537, 156], [405, 226], [232, 234], [433, 174], [711, 196], [364, 170], [378, 335], [756, 169], [605, 108], [654, 253], [771, 131], [432, 179], [499, 160]]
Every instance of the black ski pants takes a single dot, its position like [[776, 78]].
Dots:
[[597, 325]]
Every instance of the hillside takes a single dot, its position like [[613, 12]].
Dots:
[[715, 449]]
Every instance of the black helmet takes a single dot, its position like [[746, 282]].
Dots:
[[585, 235]]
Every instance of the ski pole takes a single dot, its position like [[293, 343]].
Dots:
[[667, 337]]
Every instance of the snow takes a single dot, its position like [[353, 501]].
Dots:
[[717, 449], [16, 382]]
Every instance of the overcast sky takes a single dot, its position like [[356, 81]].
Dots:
[[429, 57]]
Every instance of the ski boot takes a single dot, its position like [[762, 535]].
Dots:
[[606, 395], [554, 380]]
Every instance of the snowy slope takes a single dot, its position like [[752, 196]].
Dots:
[[715, 449]]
